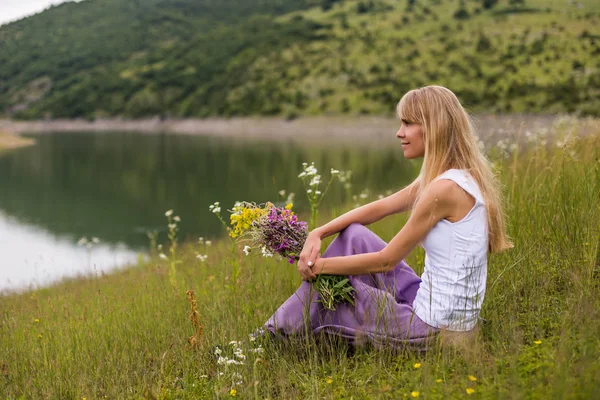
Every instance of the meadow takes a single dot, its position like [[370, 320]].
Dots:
[[150, 331]]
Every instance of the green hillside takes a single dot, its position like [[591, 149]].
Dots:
[[198, 58]]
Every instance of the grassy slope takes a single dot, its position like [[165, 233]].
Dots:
[[125, 335], [109, 57], [370, 59]]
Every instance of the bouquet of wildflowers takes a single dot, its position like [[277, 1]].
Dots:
[[277, 230]]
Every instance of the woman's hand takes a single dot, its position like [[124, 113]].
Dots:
[[308, 256]]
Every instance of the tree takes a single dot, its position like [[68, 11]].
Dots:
[[489, 4]]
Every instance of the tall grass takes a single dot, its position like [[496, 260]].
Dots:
[[127, 335]]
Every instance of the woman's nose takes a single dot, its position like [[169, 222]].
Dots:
[[399, 134]]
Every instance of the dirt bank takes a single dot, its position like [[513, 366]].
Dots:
[[10, 140], [367, 129]]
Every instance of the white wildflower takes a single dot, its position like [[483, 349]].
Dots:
[[265, 252], [208, 242], [302, 174], [169, 213], [309, 191], [247, 250], [95, 240], [311, 170], [201, 257], [216, 210], [201, 240], [83, 241], [172, 226], [335, 171], [282, 192], [176, 218], [163, 256], [315, 181], [318, 192], [218, 351]]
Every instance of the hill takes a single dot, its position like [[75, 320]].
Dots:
[[199, 58]]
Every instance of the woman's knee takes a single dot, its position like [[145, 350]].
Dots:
[[354, 229]]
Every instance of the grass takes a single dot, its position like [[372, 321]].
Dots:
[[126, 335]]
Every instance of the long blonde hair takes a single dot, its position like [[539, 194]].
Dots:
[[450, 142]]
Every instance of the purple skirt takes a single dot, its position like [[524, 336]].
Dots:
[[382, 315]]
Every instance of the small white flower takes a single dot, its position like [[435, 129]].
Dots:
[[301, 174], [95, 240], [309, 191], [315, 181], [176, 218], [201, 257], [218, 351], [172, 226], [216, 210], [311, 170], [201, 240], [380, 196], [203, 376], [247, 250], [265, 252], [208, 242], [318, 192], [282, 192], [233, 343], [304, 165], [169, 213], [162, 256], [83, 241], [335, 171]]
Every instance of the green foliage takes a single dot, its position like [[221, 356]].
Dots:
[[188, 58]]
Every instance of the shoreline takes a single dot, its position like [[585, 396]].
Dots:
[[369, 129], [10, 140]]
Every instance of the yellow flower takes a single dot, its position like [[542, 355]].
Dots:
[[470, 390], [36, 320], [329, 380], [233, 392], [289, 206], [414, 394], [438, 380], [417, 365], [472, 378], [538, 342], [40, 336]]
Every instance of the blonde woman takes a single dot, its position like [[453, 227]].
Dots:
[[456, 215]]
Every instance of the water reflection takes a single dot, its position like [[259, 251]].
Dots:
[[33, 257], [117, 186]]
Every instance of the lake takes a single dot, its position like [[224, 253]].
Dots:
[[116, 187]]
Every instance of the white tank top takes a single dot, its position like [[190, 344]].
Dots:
[[453, 281]]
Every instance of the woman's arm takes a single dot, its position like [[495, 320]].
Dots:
[[437, 203], [402, 200]]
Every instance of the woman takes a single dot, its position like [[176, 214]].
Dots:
[[456, 215]]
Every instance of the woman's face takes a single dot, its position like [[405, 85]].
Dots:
[[411, 135]]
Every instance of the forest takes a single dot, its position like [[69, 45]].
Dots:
[[290, 58]]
